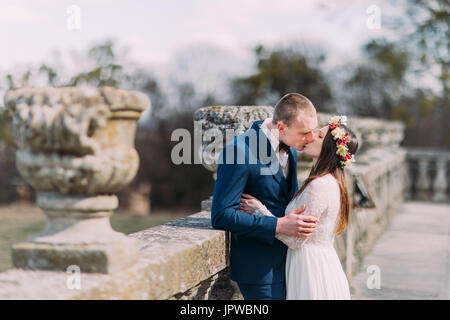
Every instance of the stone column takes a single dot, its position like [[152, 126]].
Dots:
[[388, 190], [440, 184], [76, 148], [423, 181], [224, 123], [397, 134], [408, 181]]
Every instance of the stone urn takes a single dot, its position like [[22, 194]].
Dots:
[[76, 149], [230, 121], [226, 122]]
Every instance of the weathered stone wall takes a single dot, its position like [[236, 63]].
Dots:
[[182, 259]]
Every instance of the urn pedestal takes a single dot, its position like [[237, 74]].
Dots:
[[76, 149]]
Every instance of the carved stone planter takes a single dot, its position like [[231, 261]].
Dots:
[[76, 148], [230, 121]]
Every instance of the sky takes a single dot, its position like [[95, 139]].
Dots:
[[157, 30], [204, 42]]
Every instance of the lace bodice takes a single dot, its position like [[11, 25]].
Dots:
[[322, 199]]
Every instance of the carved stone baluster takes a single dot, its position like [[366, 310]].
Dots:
[[440, 183], [403, 185], [423, 181], [408, 180], [389, 188]]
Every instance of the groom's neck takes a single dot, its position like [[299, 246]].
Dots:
[[273, 128]]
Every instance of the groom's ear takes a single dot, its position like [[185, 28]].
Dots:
[[281, 126]]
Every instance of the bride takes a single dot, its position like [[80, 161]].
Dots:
[[313, 269]]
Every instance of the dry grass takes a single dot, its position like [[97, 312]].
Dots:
[[18, 223]]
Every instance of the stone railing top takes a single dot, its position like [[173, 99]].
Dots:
[[231, 117], [372, 133], [378, 163], [421, 153], [174, 257]]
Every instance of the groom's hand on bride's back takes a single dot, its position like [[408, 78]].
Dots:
[[297, 224]]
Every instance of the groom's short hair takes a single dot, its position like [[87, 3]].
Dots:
[[290, 105]]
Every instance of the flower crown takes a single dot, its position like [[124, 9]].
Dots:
[[341, 136]]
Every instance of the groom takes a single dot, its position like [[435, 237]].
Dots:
[[262, 162]]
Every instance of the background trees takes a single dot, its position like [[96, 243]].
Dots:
[[407, 79], [403, 78], [281, 71]]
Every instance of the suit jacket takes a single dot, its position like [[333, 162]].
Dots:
[[256, 256]]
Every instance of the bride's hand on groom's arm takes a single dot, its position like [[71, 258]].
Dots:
[[296, 224], [293, 224]]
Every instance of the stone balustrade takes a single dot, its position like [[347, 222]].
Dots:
[[182, 259], [187, 259], [428, 175], [383, 180]]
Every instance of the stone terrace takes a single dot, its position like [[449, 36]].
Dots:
[[187, 259]]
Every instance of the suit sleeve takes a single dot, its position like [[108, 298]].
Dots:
[[230, 184]]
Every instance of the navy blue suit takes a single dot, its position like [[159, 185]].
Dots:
[[256, 256]]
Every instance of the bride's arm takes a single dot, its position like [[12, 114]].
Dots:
[[315, 200], [294, 224], [291, 241]]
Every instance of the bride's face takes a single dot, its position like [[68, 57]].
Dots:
[[313, 148]]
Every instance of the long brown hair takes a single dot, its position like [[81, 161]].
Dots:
[[330, 162]]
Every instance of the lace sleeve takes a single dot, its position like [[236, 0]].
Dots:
[[314, 197]]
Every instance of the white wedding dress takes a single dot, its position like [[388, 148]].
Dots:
[[313, 269]]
